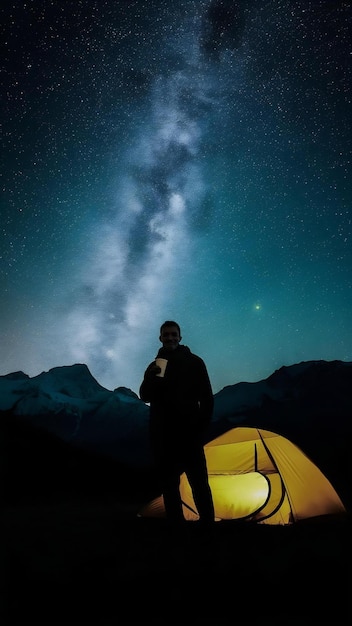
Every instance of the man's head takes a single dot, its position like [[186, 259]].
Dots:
[[170, 335]]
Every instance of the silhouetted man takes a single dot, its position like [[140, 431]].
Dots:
[[181, 407]]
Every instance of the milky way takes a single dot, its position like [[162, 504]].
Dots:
[[186, 162]]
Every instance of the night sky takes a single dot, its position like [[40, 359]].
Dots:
[[185, 160]]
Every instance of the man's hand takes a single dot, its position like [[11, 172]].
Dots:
[[152, 371]]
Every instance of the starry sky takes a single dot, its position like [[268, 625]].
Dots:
[[184, 160]]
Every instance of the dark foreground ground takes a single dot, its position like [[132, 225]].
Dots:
[[78, 563]]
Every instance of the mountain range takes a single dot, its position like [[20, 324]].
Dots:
[[64, 429]]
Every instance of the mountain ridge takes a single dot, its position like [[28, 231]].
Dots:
[[309, 403]]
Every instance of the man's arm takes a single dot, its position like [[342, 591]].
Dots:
[[206, 396], [149, 381]]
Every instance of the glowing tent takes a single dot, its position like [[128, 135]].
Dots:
[[260, 476]]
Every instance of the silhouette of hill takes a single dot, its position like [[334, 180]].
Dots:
[[76, 553], [63, 433]]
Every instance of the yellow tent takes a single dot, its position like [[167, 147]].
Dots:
[[260, 476]]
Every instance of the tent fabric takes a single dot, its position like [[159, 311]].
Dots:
[[261, 476]]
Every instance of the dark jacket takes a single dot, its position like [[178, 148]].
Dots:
[[182, 402]]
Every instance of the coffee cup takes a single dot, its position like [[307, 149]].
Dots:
[[162, 363]]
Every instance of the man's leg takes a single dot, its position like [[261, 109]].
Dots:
[[171, 492], [197, 474]]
